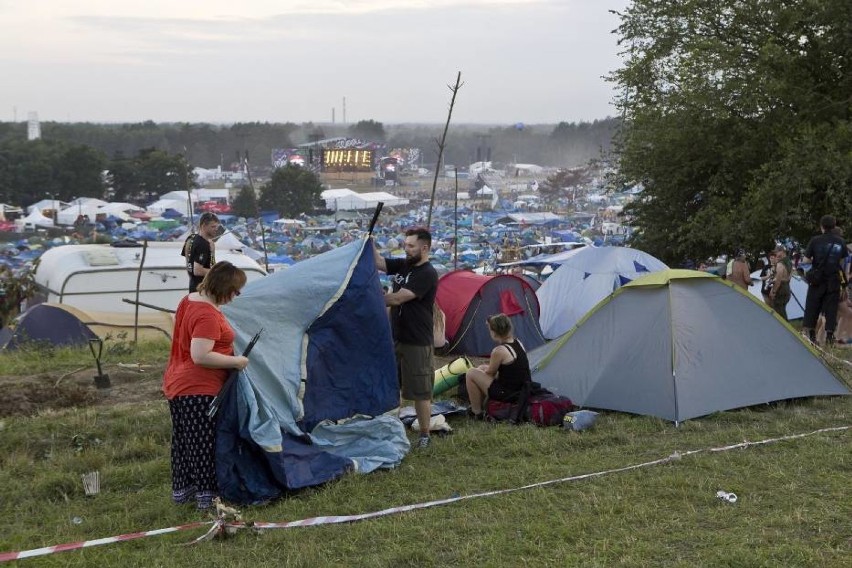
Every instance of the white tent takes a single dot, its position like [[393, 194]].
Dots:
[[229, 241], [158, 207], [33, 220], [798, 289], [348, 200], [585, 277], [88, 201], [46, 204]]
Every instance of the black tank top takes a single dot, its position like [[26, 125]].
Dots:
[[513, 376]]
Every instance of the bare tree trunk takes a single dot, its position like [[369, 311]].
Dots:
[[455, 89]]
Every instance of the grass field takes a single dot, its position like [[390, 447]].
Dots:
[[794, 507]]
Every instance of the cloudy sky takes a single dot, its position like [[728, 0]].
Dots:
[[530, 61]]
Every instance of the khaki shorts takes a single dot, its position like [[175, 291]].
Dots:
[[416, 370]]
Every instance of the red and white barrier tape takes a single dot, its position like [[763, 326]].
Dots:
[[219, 525], [7, 556]]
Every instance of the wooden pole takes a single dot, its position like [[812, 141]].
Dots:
[[138, 283], [456, 217], [259, 217], [455, 89]]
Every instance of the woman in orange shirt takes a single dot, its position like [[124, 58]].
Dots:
[[201, 356]]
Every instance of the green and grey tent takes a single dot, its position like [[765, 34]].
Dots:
[[678, 344]]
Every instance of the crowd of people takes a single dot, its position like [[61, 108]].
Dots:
[[828, 306]]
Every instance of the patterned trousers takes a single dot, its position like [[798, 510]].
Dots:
[[193, 450]]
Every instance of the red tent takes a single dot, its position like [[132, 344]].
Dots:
[[468, 299]]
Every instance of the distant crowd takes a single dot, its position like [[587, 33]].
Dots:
[[828, 306]]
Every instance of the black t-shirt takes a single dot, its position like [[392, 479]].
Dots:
[[412, 321], [827, 252], [201, 253]]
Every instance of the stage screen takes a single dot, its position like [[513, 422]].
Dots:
[[347, 160]]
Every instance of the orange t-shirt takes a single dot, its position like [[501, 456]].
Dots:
[[183, 377]]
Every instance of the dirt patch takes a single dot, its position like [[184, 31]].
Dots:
[[28, 395]]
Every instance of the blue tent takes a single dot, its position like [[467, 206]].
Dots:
[[585, 277], [53, 324], [171, 214], [326, 355]]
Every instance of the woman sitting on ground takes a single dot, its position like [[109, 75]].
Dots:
[[506, 373]]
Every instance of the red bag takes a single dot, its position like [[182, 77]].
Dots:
[[499, 410], [548, 409], [542, 409]]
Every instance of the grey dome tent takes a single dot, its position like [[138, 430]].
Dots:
[[679, 344]]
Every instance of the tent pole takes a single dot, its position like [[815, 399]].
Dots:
[[456, 219]]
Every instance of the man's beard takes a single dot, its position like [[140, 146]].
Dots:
[[413, 260]]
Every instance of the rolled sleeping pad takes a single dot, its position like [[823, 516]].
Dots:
[[448, 376]]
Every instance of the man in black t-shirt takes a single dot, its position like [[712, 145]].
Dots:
[[201, 255], [826, 252], [415, 283]]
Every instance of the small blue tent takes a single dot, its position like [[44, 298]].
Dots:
[[55, 324], [311, 405]]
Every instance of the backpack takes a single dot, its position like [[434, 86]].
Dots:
[[535, 404], [187, 244], [185, 251], [548, 409]]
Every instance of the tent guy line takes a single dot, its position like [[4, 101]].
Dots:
[[220, 525]]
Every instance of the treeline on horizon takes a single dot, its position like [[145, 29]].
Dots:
[[565, 145]]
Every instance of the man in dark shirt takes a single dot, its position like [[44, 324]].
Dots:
[[415, 283], [201, 255], [826, 252]]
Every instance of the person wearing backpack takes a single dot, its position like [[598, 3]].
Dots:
[[826, 252], [200, 250], [506, 373]]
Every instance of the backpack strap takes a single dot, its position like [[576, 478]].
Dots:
[[519, 412]]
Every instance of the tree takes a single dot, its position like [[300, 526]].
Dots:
[[736, 119], [556, 184], [368, 130], [291, 191], [152, 172], [245, 203], [79, 172], [121, 177]]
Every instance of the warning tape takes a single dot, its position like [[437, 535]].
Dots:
[[219, 525], [7, 556]]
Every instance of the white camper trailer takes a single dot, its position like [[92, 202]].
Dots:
[[98, 277]]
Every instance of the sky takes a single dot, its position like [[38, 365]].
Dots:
[[521, 61]]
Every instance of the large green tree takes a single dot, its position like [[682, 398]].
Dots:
[[150, 173], [736, 118], [33, 170], [79, 172], [245, 203], [293, 190], [559, 183]]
